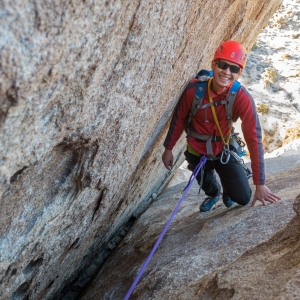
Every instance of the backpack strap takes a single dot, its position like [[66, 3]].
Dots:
[[230, 101], [199, 96], [213, 104], [202, 77]]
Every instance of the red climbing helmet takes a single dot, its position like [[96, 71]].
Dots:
[[233, 52]]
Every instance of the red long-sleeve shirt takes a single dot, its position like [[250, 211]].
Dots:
[[203, 123]]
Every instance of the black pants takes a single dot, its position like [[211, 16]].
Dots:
[[232, 175]]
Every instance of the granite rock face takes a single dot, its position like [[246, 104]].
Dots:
[[86, 92], [237, 253]]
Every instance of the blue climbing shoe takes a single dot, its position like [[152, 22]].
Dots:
[[208, 203], [227, 201]]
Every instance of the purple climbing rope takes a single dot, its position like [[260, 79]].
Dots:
[[192, 178]]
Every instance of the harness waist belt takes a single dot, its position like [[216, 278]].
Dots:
[[194, 152], [207, 139], [203, 137], [214, 138]]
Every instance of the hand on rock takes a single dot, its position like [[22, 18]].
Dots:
[[167, 159], [263, 194]]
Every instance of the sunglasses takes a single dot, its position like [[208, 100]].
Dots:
[[224, 66]]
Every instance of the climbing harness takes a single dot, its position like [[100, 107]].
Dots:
[[192, 178]]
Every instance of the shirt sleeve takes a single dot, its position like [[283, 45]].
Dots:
[[181, 112], [245, 109]]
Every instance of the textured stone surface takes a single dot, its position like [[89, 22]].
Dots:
[[237, 253], [86, 91], [297, 205]]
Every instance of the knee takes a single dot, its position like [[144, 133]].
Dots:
[[243, 198], [211, 188]]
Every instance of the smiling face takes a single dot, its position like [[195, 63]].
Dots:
[[224, 78]]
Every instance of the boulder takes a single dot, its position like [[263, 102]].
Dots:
[[236, 253]]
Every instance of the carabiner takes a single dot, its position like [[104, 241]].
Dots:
[[227, 153]]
